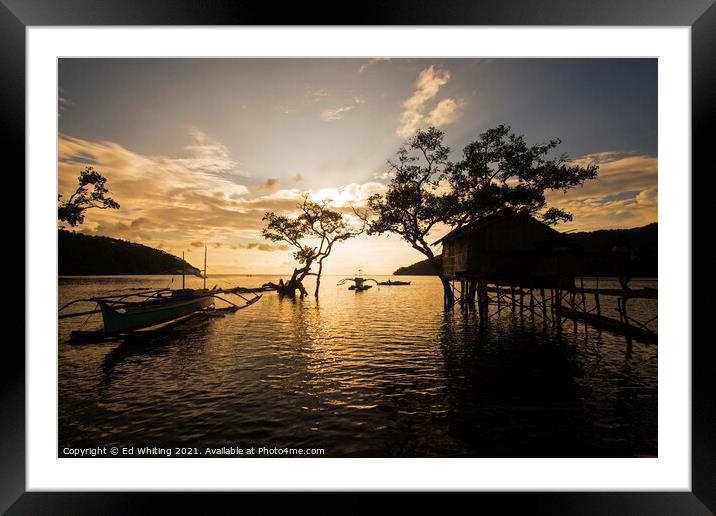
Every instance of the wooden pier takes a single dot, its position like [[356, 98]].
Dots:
[[520, 264], [554, 307]]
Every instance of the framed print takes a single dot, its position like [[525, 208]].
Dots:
[[418, 250]]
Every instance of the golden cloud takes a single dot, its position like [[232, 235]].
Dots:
[[172, 200], [625, 194], [427, 86]]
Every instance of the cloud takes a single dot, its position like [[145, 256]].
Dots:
[[136, 230], [317, 95], [261, 247], [331, 115], [446, 112], [270, 184], [197, 244], [206, 156], [371, 62], [625, 194], [427, 86], [352, 194], [648, 198], [172, 201]]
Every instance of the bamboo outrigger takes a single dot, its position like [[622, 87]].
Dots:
[[133, 310], [359, 282]]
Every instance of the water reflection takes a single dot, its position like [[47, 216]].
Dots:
[[386, 372], [155, 346]]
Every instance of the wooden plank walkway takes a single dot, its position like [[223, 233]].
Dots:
[[601, 321], [635, 293]]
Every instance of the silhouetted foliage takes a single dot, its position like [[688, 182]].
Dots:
[[91, 193], [499, 170], [316, 224], [85, 255], [414, 202]]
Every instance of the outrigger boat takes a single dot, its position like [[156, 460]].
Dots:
[[164, 307], [359, 282], [133, 310]]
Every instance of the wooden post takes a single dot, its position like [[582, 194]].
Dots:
[[512, 297], [544, 306], [557, 308], [480, 301], [485, 302], [584, 305], [625, 318], [532, 304]]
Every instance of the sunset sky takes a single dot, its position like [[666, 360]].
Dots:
[[196, 150]]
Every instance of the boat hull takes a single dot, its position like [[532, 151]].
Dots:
[[151, 314]]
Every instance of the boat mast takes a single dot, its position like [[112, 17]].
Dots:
[[205, 267], [182, 270]]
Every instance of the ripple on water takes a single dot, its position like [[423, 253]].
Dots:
[[380, 373]]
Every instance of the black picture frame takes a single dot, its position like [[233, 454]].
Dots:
[[700, 15]]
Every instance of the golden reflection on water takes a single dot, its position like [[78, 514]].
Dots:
[[385, 372]]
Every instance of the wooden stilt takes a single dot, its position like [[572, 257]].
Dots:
[[557, 309], [625, 319], [480, 302], [532, 304]]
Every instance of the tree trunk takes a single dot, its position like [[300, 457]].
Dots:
[[295, 283], [318, 277], [447, 288]]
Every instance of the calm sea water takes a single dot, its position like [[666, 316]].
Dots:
[[386, 372]]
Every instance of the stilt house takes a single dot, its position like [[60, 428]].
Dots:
[[510, 248]]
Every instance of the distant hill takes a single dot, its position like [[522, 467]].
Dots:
[[85, 255], [597, 252], [597, 247], [422, 268]]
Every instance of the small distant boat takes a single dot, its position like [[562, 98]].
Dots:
[[393, 283]]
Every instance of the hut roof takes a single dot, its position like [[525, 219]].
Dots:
[[503, 214]]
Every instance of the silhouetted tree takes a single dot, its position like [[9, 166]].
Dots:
[[499, 170], [415, 201], [316, 224], [91, 193]]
